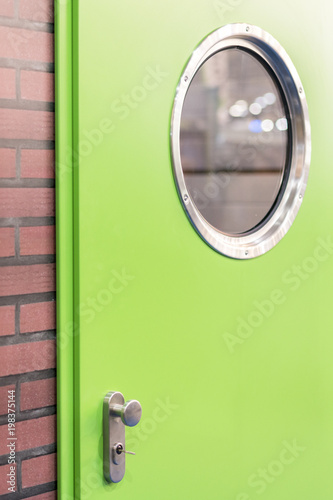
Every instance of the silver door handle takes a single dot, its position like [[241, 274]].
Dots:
[[117, 414], [130, 412]]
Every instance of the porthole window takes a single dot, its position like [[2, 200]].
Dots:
[[240, 139]]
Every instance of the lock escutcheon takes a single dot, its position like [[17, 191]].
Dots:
[[116, 415]]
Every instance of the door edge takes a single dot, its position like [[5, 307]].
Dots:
[[64, 246]]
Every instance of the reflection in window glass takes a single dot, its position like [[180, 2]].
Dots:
[[233, 141]]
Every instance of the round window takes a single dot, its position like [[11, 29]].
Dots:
[[240, 141]]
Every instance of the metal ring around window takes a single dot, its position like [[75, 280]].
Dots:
[[271, 230]]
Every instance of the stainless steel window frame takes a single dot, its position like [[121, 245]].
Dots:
[[262, 45]]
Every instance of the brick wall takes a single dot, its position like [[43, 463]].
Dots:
[[27, 253]]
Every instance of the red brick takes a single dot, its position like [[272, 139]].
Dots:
[[29, 357], [7, 8], [37, 86], [30, 433], [21, 280], [38, 240], [38, 394], [39, 470], [38, 317], [7, 242], [7, 163], [41, 11], [27, 202], [7, 320], [4, 470], [50, 495], [26, 124], [7, 83], [37, 163], [4, 398], [17, 43]]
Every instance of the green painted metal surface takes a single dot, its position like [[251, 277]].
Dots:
[[231, 360]]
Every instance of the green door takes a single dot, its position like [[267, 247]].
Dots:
[[231, 359]]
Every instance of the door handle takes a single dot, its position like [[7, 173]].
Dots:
[[117, 414]]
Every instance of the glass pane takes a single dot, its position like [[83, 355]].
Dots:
[[233, 141]]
